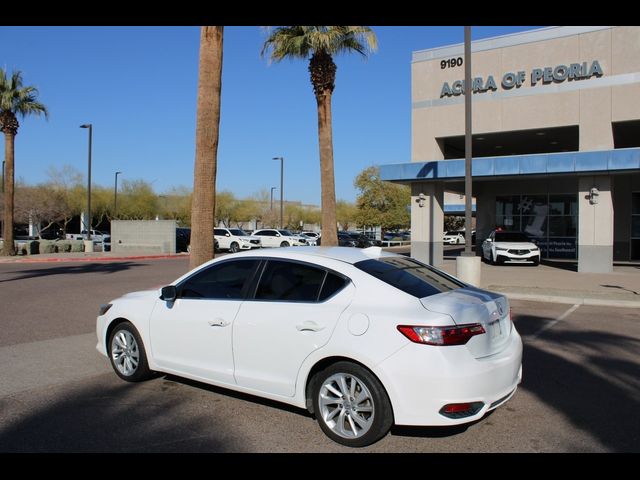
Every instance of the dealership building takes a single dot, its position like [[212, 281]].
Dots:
[[556, 142]]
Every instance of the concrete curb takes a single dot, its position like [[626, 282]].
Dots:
[[602, 302], [91, 259]]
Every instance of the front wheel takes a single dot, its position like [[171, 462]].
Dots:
[[351, 405], [284, 244], [234, 247], [127, 354]]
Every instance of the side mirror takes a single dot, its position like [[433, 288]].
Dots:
[[227, 234], [278, 235], [169, 294], [489, 240]]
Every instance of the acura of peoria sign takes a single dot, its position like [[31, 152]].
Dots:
[[546, 75]]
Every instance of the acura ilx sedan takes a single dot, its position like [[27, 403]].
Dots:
[[361, 338]]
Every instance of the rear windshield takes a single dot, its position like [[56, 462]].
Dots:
[[511, 237], [410, 276]]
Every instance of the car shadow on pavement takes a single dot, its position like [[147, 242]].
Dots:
[[239, 395], [434, 432], [110, 267], [590, 377], [106, 415]]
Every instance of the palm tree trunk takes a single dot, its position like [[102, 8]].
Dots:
[[7, 225], [327, 179], [207, 129]]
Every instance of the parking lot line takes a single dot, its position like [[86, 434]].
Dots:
[[552, 323]]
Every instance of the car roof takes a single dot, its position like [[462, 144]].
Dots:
[[344, 254]]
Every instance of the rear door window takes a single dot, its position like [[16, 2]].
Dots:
[[290, 281]]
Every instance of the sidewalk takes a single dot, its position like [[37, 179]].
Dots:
[[543, 283]]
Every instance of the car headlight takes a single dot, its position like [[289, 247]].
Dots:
[[104, 308]]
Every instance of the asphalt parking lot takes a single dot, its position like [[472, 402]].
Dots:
[[580, 390]]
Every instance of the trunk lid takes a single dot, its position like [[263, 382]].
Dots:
[[471, 305]]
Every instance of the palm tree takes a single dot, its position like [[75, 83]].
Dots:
[[207, 129], [321, 43], [14, 99]]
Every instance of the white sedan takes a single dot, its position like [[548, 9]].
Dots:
[[361, 338], [272, 237], [511, 247], [453, 238]]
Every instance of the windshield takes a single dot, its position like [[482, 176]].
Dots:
[[511, 237], [409, 275], [286, 232], [237, 232]]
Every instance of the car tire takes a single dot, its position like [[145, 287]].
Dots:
[[284, 244], [234, 247], [125, 349], [536, 262], [365, 405]]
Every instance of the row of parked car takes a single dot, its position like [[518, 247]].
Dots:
[[236, 239]]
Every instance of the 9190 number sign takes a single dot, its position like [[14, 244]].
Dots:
[[451, 62]]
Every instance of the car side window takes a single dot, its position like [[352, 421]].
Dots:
[[332, 285], [290, 281], [222, 281], [218, 231]]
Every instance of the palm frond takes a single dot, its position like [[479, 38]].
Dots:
[[303, 41], [17, 99]]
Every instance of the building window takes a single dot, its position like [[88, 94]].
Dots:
[[635, 226], [551, 221]]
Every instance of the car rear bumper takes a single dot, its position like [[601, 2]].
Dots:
[[422, 379]]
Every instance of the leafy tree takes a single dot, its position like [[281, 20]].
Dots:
[[381, 203], [177, 205], [321, 43], [226, 204], [207, 132], [347, 213], [67, 184], [452, 222], [15, 99], [136, 200]]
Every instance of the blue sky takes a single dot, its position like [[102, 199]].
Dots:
[[137, 86]]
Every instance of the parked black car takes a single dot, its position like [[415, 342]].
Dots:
[[362, 241], [183, 239]]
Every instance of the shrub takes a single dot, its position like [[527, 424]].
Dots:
[[47, 246], [77, 245], [63, 245]]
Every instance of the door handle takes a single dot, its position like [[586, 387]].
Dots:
[[218, 322], [309, 326]]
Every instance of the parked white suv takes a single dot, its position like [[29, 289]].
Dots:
[[234, 239], [278, 238]]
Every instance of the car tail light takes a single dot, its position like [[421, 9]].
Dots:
[[461, 410], [452, 335]]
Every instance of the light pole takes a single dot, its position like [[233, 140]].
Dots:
[[272, 189], [115, 196], [281, 189], [88, 221], [468, 155]]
